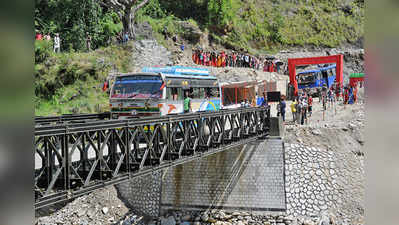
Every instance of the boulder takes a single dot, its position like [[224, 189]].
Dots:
[[191, 31], [168, 221]]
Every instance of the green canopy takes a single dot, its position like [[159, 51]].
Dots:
[[356, 75]]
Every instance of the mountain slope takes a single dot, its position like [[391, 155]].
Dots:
[[263, 24]]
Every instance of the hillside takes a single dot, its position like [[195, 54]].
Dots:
[[70, 82], [261, 25]]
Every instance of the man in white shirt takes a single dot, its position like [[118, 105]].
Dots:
[[57, 43]]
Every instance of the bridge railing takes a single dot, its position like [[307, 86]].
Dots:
[[72, 159], [71, 118]]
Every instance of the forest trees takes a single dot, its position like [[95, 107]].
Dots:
[[75, 20], [222, 13], [126, 10]]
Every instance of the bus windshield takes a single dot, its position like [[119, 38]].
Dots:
[[137, 87], [306, 78]]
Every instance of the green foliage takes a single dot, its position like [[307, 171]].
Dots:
[[74, 19], [184, 10], [71, 82], [265, 24], [221, 13], [43, 50], [152, 9]]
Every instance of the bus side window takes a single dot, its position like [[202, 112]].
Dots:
[[214, 92], [202, 93], [168, 93], [172, 94], [195, 92], [180, 93]]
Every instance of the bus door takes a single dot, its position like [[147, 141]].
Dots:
[[173, 102]]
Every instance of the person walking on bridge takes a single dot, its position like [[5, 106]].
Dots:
[[187, 103]]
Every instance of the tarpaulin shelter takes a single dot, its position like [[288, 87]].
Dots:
[[237, 92], [354, 78]]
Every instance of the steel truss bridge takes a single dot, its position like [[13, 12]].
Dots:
[[75, 155]]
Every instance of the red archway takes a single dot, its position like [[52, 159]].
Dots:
[[337, 59]]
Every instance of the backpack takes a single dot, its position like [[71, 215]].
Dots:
[[299, 107]]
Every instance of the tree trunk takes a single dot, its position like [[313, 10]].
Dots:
[[126, 21], [133, 28]]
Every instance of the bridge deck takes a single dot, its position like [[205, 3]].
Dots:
[[72, 159]]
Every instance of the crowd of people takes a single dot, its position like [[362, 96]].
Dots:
[[235, 59], [301, 107]]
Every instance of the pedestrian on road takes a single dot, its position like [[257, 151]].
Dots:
[[299, 112], [283, 106], [304, 111], [310, 103], [293, 110]]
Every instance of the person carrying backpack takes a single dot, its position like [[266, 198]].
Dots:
[[299, 111]]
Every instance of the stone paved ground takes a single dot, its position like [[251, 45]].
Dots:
[[320, 179], [325, 164]]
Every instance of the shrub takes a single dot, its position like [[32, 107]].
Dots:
[[43, 50]]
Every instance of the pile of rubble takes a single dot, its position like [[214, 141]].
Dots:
[[221, 217], [100, 207], [148, 53]]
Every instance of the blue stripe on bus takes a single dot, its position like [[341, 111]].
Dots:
[[188, 76], [178, 70]]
